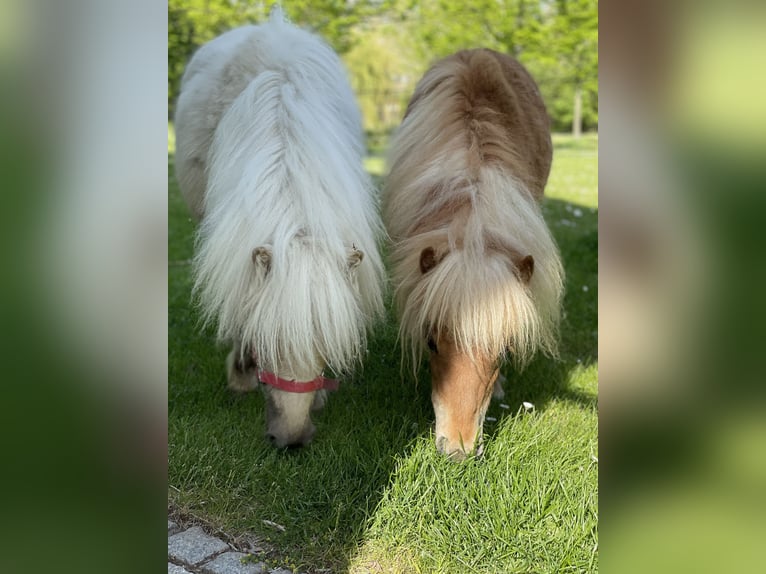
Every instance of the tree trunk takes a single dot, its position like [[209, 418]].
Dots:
[[577, 115]]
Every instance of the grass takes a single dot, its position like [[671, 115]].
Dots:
[[370, 494]]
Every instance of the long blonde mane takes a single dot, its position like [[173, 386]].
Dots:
[[284, 172], [467, 170]]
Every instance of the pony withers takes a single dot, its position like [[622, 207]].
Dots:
[[269, 151], [476, 271]]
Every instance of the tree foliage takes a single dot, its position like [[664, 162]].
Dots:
[[387, 44], [557, 40], [384, 67]]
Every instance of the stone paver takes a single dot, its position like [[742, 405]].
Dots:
[[230, 563], [193, 546], [203, 554]]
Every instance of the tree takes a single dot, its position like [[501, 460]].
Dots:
[[384, 68], [557, 40], [574, 30], [396, 40]]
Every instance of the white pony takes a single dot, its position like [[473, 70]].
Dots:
[[269, 151]]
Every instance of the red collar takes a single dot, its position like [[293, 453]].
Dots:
[[297, 386]]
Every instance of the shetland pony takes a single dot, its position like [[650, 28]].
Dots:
[[476, 271], [269, 158]]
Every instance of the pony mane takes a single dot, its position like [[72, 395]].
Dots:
[[468, 165], [285, 172]]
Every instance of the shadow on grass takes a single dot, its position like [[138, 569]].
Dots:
[[222, 469]]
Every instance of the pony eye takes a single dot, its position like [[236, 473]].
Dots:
[[432, 345]]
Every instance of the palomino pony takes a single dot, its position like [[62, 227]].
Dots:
[[269, 157], [476, 271]]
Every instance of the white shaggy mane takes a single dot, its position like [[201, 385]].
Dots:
[[283, 171], [460, 185]]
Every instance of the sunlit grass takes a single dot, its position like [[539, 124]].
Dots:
[[574, 173], [370, 493]]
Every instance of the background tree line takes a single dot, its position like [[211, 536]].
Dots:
[[388, 44]]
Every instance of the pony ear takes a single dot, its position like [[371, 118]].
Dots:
[[262, 256], [354, 258], [526, 267], [428, 259]]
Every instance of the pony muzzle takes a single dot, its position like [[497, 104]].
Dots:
[[289, 404], [288, 417], [461, 386], [458, 449]]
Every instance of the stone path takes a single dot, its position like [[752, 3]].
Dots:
[[192, 551]]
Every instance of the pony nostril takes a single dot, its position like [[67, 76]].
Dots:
[[457, 455], [271, 438]]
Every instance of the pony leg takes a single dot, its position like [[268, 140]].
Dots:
[[320, 399], [498, 393], [242, 373]]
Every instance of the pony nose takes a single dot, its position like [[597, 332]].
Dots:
[[453, 452], [292, 440]]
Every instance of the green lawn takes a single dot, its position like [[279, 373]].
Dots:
[[370, 493]]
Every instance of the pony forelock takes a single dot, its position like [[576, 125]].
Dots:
[[474, 293], [285, 173]]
